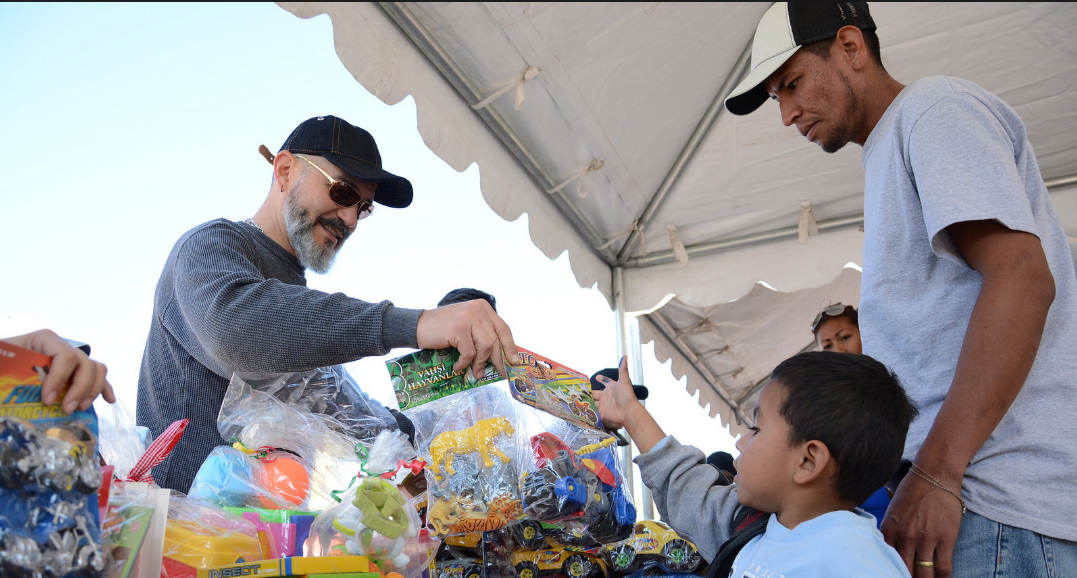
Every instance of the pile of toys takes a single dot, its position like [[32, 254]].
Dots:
[[504, 478]]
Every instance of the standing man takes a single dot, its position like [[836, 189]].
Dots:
[[969, 293], [233, 295]]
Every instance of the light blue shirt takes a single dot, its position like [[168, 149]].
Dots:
[[833, 545]]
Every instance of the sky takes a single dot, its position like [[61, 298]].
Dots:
[[125, 125]]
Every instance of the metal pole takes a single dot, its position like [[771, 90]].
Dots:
[[636, 371], [622, 349]]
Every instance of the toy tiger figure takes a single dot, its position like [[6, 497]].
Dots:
[[477, 438]]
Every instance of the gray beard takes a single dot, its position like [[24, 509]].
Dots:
[[301, 235]]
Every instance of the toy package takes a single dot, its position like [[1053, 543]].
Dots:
[[474, 454], [374, 518], [49, 477], [201, 535], [132, 536], [282, 457], [427, 375], [547, 385]]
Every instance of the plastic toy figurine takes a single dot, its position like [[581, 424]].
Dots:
[[379, 524], [462, 516], [477, 438]]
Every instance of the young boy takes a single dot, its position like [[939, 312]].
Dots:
[[828, 431]]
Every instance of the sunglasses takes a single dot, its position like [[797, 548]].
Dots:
[[831, 311], [343, 194]]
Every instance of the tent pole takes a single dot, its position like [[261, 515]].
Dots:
[[624, 347], [635, 360]]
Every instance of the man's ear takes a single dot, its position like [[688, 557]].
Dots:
[[852, 47], [814, 458], [285, 169]]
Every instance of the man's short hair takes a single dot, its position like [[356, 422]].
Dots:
[[465, 294], [854, 405], [821, 48]]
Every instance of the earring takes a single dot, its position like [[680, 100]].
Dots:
[[282, 188]]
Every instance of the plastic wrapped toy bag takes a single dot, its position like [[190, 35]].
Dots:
[[201, 535], [474, 455], [287, 441], [330, 392], [49, 477], [374, 518], [577, 481]]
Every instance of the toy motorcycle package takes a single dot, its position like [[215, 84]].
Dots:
[[578, 483], [474, 455], [281, 456], [49, 477], [374, 518]]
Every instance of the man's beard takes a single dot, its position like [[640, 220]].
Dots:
[[842, 134], [301, 235]]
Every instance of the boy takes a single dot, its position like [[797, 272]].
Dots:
[[829, 430]]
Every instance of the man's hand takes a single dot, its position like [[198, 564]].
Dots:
[[922, 523], [618, 407], [71, 369], [474, 330]]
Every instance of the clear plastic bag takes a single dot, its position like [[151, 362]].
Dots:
[[119, 442], [266, 426], [474, 454], [201, 535], [374, 518], [330, 392]]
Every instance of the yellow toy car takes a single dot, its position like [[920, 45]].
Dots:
[[573, 563], [655, 541]]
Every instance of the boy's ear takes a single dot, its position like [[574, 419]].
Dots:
[[814, 459]]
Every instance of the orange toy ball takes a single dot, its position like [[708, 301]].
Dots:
[[287, 480]]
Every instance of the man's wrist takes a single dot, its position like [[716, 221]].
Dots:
[[947, 468]]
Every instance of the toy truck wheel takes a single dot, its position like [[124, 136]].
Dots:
[[578, 566], [681, 556], [527, 569], [531, 535], [624, 558]]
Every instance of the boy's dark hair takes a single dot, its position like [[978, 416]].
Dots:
[[466, 294], [854, 405], [821, 48]]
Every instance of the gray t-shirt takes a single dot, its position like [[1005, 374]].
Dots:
[[946, 151]]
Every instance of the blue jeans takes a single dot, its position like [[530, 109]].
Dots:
[[987, 549]]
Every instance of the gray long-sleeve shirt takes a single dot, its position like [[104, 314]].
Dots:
[[231, 299], [687, 494]]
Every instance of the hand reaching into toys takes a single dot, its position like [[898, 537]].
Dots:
[[73, 370]]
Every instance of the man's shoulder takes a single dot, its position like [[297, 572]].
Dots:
[[927, 93]]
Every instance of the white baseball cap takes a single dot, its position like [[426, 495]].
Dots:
[[784, 28]]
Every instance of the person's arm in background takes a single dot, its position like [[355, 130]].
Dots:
[[999, 348], [685, 488], [71, 368]]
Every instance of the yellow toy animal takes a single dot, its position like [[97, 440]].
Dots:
[[477, 438]]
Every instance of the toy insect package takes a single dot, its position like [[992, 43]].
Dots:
[[49, 477]]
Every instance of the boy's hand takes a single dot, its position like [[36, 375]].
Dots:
[[73, 370], [617, 400]]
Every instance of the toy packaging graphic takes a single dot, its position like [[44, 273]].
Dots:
[[547, 385], [295, 566], [427, 375], [49, 476], [125, 528]]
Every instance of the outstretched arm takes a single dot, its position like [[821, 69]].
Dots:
[[999, 348], [618, 407]]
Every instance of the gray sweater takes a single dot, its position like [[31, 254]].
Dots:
[[231, 299], [686, 492]]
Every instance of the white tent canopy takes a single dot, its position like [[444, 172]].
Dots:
[[616, 108]]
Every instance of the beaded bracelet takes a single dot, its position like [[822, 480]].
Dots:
[[929, 479]]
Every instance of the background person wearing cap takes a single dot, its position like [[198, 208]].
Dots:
[[233, 298], [968, 293]]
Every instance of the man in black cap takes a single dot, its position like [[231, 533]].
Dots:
[[969, 293], [233, 296]]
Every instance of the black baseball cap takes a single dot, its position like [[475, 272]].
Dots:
[[782, 30], [354, 151]]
